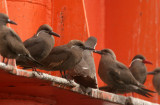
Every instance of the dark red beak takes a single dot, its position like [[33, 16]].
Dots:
[[147, 62]]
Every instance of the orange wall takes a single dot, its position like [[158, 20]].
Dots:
[[30, 14], [127, 27]]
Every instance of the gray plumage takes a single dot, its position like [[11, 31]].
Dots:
[[156, 79], [64, 57], [84, 72], [138, 68], [117, 76], [11, 45], [39, 45]]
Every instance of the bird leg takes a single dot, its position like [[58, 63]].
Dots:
[[61, 73], [86, 90], [66, 77], [70, 81], [33, 69], [3, 59], [7, 61], [38, 72], [64, 74]]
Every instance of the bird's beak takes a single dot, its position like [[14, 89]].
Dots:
[[151, 73], [53, 33], [11, 22], [88, 48], [97, 51], [147, 62]]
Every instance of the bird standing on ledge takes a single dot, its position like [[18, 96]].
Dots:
[[64, 57], [11, 45], [117, 76], [138, 68], [84, 72], [39, 45]]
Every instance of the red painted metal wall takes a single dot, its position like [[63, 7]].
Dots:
[[127, 27]]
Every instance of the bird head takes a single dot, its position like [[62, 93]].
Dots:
[[142, 58], [79, 44], [47, 29], [105, 52], [91, 42], [154, 72], [4, 19]]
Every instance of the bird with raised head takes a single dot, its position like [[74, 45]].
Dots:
[[39, 45], [117, 76], [11, 46], [138, 68], [64, 57]]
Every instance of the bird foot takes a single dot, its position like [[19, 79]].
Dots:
[[35, 70], [89, 91], [63, 76], [69, 80], [38, 72]]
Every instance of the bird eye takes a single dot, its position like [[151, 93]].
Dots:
[[105, 51], [47, 31], [80, 44]]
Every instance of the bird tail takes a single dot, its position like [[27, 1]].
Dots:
[[108, 89], [86, 81], [144, 92], [25, 67], [148, 90], [103, 88], [30, 58], [138, 90]]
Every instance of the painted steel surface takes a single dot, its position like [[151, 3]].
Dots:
[[127, 27]]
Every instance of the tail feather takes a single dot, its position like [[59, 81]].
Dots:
[[30, 58], [103, 88], [141, 91], [86, 81], [109, 89], [144, 92], [148, 90]]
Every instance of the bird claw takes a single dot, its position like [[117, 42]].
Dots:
[[38, 72], [70, 81]]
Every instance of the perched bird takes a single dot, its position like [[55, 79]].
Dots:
[[138, 68], [11, 46], [156, 79], [84, 73], [117, 76], [64, 57], [39, 45]]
